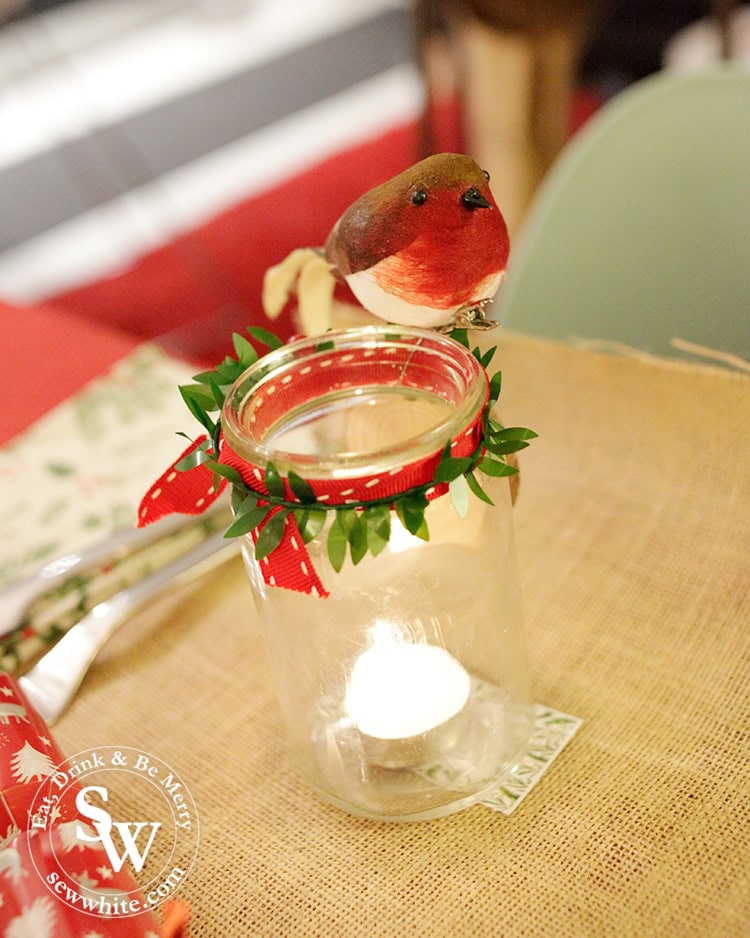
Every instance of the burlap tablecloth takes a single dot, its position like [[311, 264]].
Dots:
[[634, 545]]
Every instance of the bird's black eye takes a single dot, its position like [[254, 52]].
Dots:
[[419, 197], [486, 175]]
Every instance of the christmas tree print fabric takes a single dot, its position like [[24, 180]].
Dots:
[[28, 906]]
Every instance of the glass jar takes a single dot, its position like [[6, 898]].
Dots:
[[402, 677]]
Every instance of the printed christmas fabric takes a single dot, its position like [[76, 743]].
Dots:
[[30, 905]]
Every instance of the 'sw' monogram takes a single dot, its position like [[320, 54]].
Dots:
[[129, 831]]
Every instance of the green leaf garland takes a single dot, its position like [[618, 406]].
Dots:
[[357, 528]]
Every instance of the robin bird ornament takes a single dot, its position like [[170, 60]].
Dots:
[[427, 248]]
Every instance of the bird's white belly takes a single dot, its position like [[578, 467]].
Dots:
[[393, 308]]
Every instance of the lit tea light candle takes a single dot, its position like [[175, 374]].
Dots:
[[399, 690]]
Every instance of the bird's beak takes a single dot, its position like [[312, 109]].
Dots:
[[473, 198]]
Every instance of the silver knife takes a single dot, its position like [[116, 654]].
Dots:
[[53, 681]]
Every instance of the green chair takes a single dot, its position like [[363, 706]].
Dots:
[[640, 233]]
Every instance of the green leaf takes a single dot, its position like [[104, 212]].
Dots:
[[270, 535], [228, 371], [476, 488], [301, 488], [378, 519], [503, 447], [410, 510], [264, 336], [336, 543], [459, 493], [496, 384], [514, 433], [493, 467], [205, 377], [398, 507], [216, 437], [249, 521], [226, 472], [217, 394], [450, 468], [274, 483], [461, 336], [492, 425], [310, 522], [196, 409], [244, 350], [245, 502], [196, 458], [486, 359], [237, 497], [358, 538], [325, 346], [347, 518], [200, 394], [300, 518]]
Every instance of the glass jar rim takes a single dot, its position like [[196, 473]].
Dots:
[[462, 374]]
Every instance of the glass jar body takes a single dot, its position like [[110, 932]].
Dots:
[[405, 689]]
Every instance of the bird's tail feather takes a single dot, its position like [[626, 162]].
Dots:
[[307, 271]]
